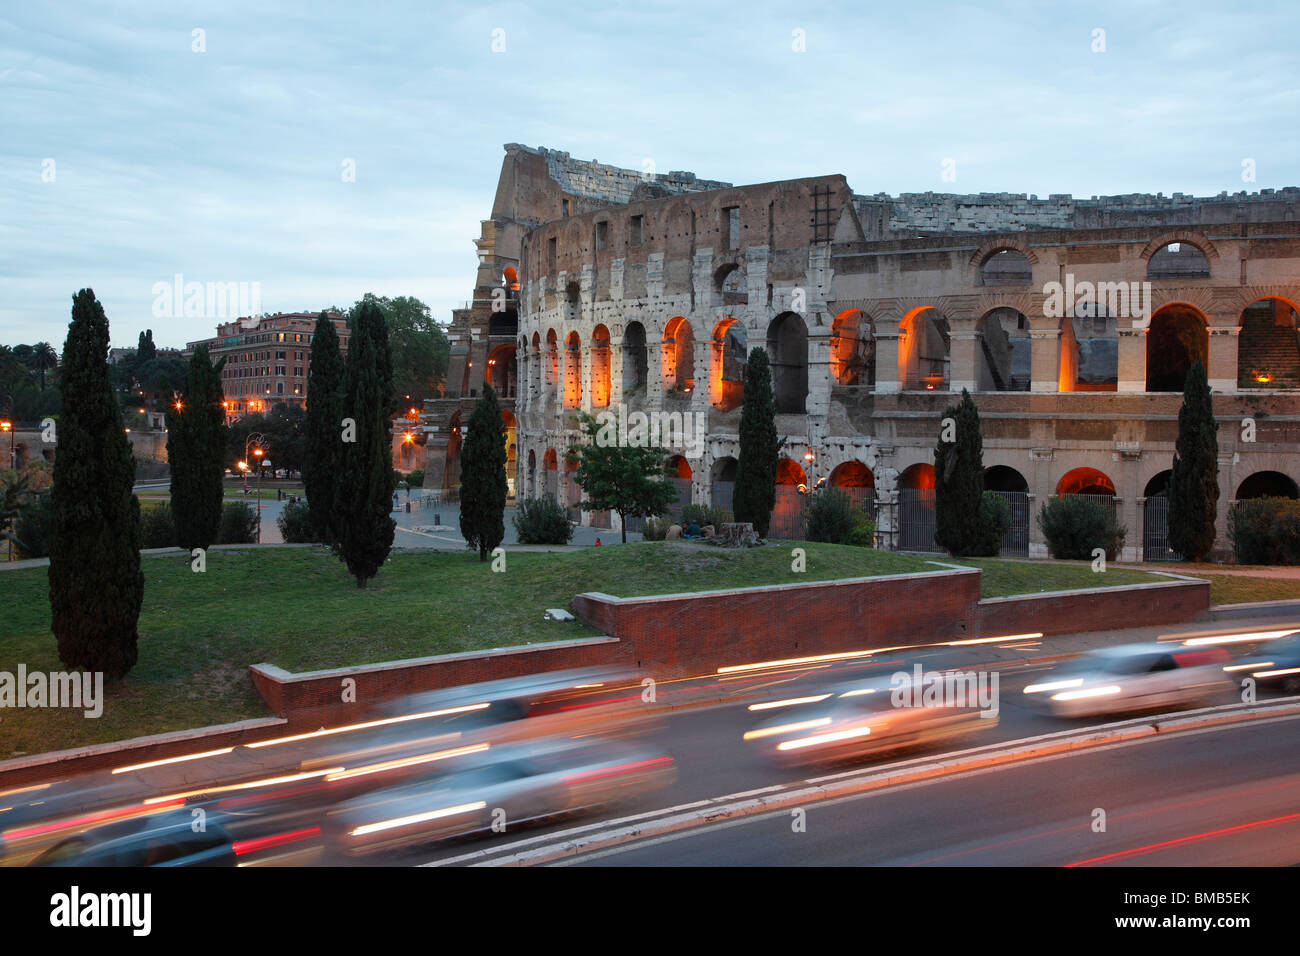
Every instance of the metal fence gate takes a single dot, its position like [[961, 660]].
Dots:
[[723, 496], [1155, 530], [916, 520], [1015, 543]]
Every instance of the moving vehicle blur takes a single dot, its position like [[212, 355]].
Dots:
[[1275, 664], [498, 791], [1133, 677], [851, 721]]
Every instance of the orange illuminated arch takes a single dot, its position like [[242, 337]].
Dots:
[[1085, 481], [852, 474], [789, 473]]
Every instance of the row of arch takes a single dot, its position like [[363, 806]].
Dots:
[[1007, 266], [1268, 348], [560, 361]]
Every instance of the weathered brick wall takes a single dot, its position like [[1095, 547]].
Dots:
[[1067, 612]]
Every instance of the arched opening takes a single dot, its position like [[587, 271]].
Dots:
[[723, 485], [729, 282], [1096, 336], [1155, 519], [727, 388], [512, 463], [635, 358], [451, 468], [572, 303], [511, 279], [1085, 481], [787, 349], [572, 371], [787, 509], [679, 476], [600, 380], [852, 474], [532, 473], [550, 465], [1004, 478], [1011, 486], [1178, 260], [923, 350], [572, 491], [858, 483], [1268, 348], [853, 349], [1271, 484], [505, 322], [1007, 267], [1178, 337], [552, 359], [1005, 352], [502, 371], [916, 509], [679, 356]]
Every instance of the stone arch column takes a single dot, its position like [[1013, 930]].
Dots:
[[818, 402], [1225, 335], [887, 334], [1132, 360], [1045, 353], [702, 350], [617, 390], [963, 355]]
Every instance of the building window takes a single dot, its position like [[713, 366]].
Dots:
[[635, 226], [602, 235], [566, 209], [550, 255], [731, 227]]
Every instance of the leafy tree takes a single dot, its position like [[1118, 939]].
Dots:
[[959, 481], [620, 478], [755, 493], [96, 584], [1194, 485], [145, 350], [363, 502], [420, 348], [322, 461], [196, 450], [44, 358], [483, 486]]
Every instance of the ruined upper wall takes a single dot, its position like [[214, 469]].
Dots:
[[912, 214]]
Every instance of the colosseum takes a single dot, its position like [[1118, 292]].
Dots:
[[1071, 321]]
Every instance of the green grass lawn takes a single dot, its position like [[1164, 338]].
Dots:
[[299, 609]]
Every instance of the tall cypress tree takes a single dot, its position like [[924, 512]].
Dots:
[[363, 504], [1194, 485], [196, 448], [96, 585], [483, 486], [959, 480], [145, 350], [326, 391], [755, 493]]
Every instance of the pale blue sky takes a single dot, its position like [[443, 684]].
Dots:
[[226, 165]]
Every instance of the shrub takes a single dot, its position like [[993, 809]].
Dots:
[[1075, 526], [238, 524], [994, 520], [655, 529], [701, 515], [863, 534], [829, 517], [157, 526], [415, 478], [295, 524], [542, 521], [33, 527], [1265, 531]]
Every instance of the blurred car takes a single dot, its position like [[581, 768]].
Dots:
[[161, 840], [1133, 677], [858, 720], [1275, 664], [571, 703], [511, 785]]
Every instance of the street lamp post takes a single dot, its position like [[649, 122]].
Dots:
[[257, 441], [8, 426]]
